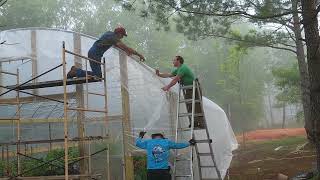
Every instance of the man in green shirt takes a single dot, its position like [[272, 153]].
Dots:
[[185, 76]]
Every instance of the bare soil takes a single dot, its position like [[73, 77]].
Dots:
[[264, 158]]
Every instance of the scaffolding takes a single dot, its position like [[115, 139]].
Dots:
[[85, 154]]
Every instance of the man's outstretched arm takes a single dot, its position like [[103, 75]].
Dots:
[[128, 50], [172, 83], [174, 145], [163, 75]]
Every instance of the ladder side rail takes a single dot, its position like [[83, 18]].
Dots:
[[207, 132], [176, 131], [192, 126], [198, 158]]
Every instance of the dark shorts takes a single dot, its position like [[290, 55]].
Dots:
[[159, 174]]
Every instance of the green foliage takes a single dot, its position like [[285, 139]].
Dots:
[[33, 167], [140, 167], [287, 79], [202, 19], [242, 89]]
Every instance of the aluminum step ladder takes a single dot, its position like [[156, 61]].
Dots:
[[191, 124]]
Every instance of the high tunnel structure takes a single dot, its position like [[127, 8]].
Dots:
[[102, 118]]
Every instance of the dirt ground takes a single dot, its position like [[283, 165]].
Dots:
[[265, 155]]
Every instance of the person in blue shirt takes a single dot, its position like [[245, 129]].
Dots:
[[97, 50], [158, 150]]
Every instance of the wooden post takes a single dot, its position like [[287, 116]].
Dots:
[[126, 124], [80, 104], [7, 159], [2, 153], [34, 58], [108, 163], [105, 96], [50, 137]]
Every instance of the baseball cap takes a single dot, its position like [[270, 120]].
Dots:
[[121, 30], [156, 135]]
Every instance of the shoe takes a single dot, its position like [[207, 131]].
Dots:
[[72, 73]]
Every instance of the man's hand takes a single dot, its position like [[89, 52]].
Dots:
[[157, 72], [141, 134], [141, 57], [192, 142], [166, 88]]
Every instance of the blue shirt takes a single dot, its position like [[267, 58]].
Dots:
[[158, 151], [103, 44]]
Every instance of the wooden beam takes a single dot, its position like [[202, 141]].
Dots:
[[80, 105], [32, 99], [13, 59], [57, 120], [126, 124], [53, 83], [83, 139], [34, 56]]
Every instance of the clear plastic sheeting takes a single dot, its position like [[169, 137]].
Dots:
[[36, 50]]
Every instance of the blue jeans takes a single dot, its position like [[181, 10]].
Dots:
[[95, 67]]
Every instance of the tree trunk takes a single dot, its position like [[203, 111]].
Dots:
[[310, 22], [271, 113], [303, 71], [283, 115]]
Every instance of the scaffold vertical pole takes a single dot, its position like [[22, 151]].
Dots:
[[65, 110]]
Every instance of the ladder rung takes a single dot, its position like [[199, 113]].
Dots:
[[97, 94], [208, 166], [183, 159], [189, 101], [204, 154], [188, 175], [190, 114], [204, 141], [189, 129], [187, 87]]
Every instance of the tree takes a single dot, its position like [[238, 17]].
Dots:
[[242, 87], [278, 21], [287, 80], [310, 22], [2, 2]]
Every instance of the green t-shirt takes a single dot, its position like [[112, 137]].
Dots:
[[185, 73]]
